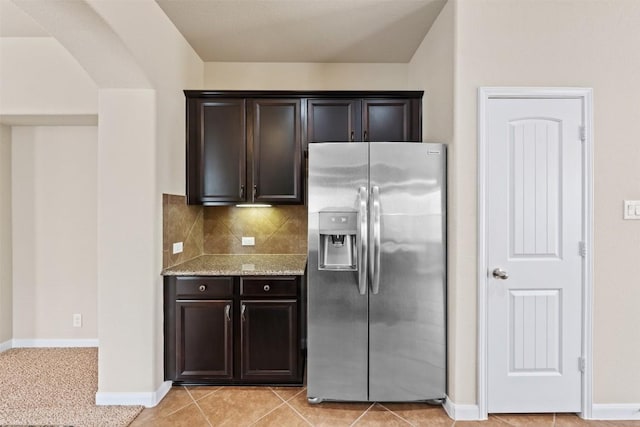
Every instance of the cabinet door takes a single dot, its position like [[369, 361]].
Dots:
[[269, 333], [333, 120], [204, 340], [277, 145], [391, 120], [216, 154]]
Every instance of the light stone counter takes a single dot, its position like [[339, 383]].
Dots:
[[241, 265]]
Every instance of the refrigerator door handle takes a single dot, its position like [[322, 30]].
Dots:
[[375, 247], [363, 236]]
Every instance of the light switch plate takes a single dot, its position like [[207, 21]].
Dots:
[[632, 209], [248, 241], [177, 248]]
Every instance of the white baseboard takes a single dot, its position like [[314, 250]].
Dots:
[[461, 412], [7, 345], [148, 399], [620, 411], [27, 343]]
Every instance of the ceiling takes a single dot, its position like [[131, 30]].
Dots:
[[283, 30]]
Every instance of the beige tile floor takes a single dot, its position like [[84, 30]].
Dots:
[[287, 406]]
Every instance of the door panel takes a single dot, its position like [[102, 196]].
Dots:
[[277, 145], [216, 151], [333, 120], [534, 205], [269, 337], [386, 120], [337, 313], [204, 340], [407, 343]]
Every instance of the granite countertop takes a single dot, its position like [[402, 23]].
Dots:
[[241, 265]]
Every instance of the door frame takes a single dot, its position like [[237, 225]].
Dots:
[[586, 96]]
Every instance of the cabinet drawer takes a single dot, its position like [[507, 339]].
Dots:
[[264, 286], [204, 287]]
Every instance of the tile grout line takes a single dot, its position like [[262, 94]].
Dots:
[[202, 412], [399, 416], [264, 415], [297, 412], [505, 421], [286, 400], [362, 415], [198, 406], [283, 403], [182, 407]]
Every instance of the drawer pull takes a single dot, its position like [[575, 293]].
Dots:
[[227, 312], [267, 288], [244, 307], [202, 288]]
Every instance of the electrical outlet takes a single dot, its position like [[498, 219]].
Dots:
[[248, 241], [77, 320], [177, 248], [631, 209]]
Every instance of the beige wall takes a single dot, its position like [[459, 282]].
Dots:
[[147, 128], [38, 77], [127, 287], [54, 249], [140, 153], [432, 69], [6, 257], [304, 76], [550, 43], [54, 231]]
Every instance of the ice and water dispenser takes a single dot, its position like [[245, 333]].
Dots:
[[338, 230]]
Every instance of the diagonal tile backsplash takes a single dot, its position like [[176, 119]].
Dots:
[[180, 223], [219, 229], [277, 230]]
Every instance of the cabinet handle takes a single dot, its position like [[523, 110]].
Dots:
[[353, 136], [267, 288], [227, 312], [244, 307], [255, 191], [242, 191], [365, 136], [202, 288]]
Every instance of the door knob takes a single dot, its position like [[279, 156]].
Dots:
[[499, 273]]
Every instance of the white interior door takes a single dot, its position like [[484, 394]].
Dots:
[[534, 223]]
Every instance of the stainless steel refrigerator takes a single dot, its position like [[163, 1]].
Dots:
[[376, 272]]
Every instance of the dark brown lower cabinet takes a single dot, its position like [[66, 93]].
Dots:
[[269, 332], [233, 330], [204, 339]]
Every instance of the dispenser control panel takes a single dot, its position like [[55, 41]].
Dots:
[[337, 240]]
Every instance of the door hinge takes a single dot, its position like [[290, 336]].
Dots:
[[583, 133], [582, 249], [582, 364]]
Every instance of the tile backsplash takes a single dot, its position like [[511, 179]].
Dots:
[[277, 230], [180, 223], [219, 229]]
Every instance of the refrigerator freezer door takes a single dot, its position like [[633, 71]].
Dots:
[[407, 314], [337, 312]]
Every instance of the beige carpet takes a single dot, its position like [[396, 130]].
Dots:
[[55, 386]]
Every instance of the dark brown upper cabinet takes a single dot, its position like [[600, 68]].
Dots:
[[366, 119], [276, 150], [216, 151], [334, 120], [247, 146], [244, 151]]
